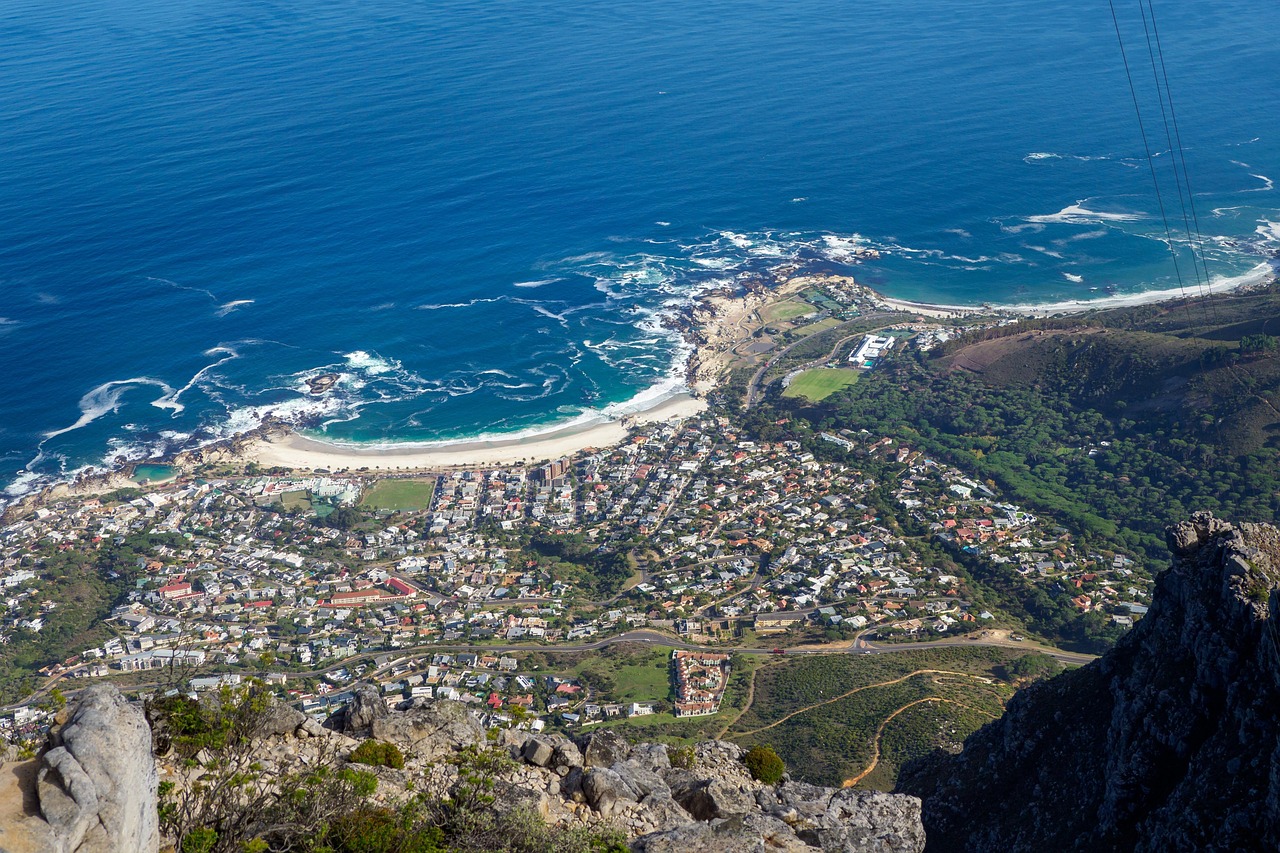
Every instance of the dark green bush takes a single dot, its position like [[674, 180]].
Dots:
[[764, 764]]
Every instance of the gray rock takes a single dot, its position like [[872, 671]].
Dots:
[[707, 799], [639, 779], [603, 749], [604, 788], [280, 721], [365, 707], [754, 833], [537, 752], [567, 754], [97, 785], [310, 727], [431, 732], [651, 756]]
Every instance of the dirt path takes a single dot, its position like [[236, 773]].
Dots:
[[888, 683], [875, 743], [751, 697]]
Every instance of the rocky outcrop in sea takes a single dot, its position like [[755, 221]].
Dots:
[[1170, 741]]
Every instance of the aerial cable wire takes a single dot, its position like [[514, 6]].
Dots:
[[1146, 147], [1197, 246], [1161, 94]]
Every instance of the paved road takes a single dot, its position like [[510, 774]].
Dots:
[[657, 638]]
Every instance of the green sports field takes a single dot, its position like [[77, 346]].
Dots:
[[401, 495], [820, 383]]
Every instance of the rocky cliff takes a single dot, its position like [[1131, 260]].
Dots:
[[1171, 741], [709, 802], [93, 790]]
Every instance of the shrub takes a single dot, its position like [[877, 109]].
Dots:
[[378, 753], [683, 757], [764, 764]]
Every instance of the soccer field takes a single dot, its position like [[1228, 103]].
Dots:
[[400, 495], [820, 383]]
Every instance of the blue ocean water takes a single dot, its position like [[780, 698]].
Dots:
[[477, 211]]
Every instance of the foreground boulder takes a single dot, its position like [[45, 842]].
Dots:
[[95, 787], [1170, 741]]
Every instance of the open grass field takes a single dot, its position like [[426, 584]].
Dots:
[[627, 673], [400, 495], [295, 501], [780, 312], [820, 383]]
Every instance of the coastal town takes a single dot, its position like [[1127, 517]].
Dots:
[[689, 529]]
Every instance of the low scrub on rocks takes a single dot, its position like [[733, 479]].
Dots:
[[378, 754]]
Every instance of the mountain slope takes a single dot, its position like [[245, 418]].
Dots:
[[1171, 741]]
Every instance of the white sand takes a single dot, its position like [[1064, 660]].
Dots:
[[1259, 274], [297, 451], [928, 310]]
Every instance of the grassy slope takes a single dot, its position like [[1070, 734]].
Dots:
[[826, 739]]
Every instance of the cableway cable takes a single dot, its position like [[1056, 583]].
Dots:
[[1146, 147]]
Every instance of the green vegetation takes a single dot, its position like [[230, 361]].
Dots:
[[576, 557], [764, 764], [234, 803], [827, 716], [377, 753], [1033, 667], [683, 757], [627, 672], [400, 495], [820, 383]]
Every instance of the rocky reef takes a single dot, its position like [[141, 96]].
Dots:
[[1170, 741]]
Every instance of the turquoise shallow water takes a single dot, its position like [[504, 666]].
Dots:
[[476, 212]]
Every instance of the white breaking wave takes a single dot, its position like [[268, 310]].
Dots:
[[228, 307], [536, 283], [1078, 214], [1070, 276], [1268, 230], [105, 399], [171, 401], [371, 364]]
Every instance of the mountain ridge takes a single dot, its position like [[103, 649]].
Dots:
[[1169, 741]]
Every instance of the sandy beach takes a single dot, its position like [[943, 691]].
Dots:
[[293, 450], [720, 323], [1260, 274]]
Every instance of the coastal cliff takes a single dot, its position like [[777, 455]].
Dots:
[[1170, 741]]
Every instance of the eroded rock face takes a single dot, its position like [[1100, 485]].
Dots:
[[364, 709], [1171, 741], [96, 784], [430, 732]]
